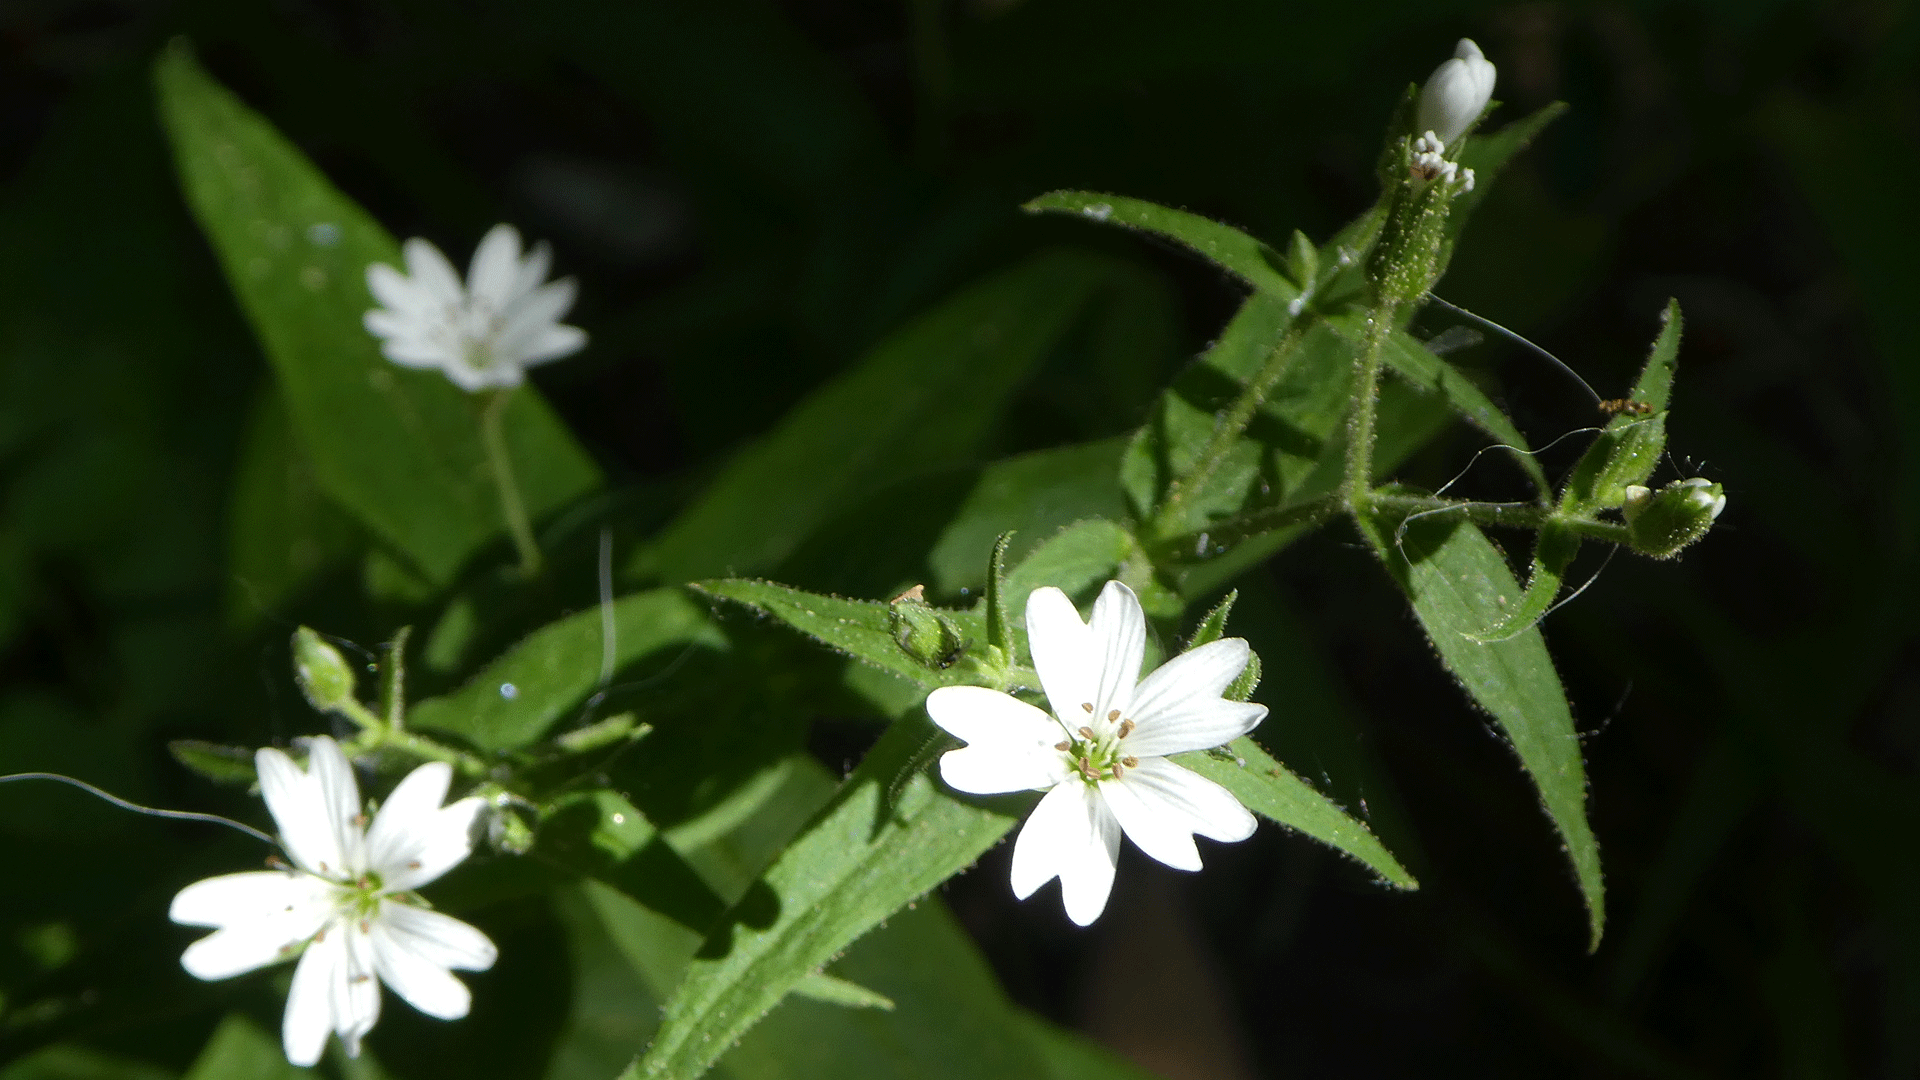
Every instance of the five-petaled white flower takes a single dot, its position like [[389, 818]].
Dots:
[[1102, 755], [346, 900], [485, 333]]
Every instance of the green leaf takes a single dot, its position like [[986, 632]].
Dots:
[[924, 398], [515, 699], [1086, 554], [1628, 449], [399, 449], [282, 530], [1459, 584], [220, 764], [1267, 788], [1214, 626], [1553, 552], [1032, 496], [862, 859], [1251, 260], [69, 1062], [239, 1049], [856, 628], [821, 986], [999, 623]]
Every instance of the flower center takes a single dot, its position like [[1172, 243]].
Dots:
[[363, 896], [1097, 755]]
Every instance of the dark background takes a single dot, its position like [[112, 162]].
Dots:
[[754, 193]]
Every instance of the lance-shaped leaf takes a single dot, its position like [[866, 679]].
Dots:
[[857, 628], [923, 399], [398, 449], [515, 699], [864, 857], [1629, 448], [1269, 789], [1459, 584], [1248, 259]]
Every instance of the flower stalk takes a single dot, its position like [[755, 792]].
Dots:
[[500, 466]]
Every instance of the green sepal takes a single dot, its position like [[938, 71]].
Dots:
[[833, 990], [393, 678], [923, 632], [999, 622], [1245, 683], [1214, 626], [220, 764]]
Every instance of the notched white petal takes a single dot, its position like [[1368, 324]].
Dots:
[[1063, 653], [309, 1017], [1072, 836], [1118, 629], [1201, 805]]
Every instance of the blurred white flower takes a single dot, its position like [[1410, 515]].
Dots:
[[1456, 94], [346, 901], [1102, 755], [484, 333]]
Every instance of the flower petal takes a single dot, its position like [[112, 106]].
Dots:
[[309, 1017], [265, 921], [533, 269], [1179, 708], [1155, 828], [1202, 806], [1062, 648], [356, 1000], [294, 799], [409, 808], [440, 939], [340, 796], [1119, 630], [495, 266], [413, 950], [551, 343], [247, 897], [1010, 744], [399, 293], [432, 274], [434, 844], [1072, 836]]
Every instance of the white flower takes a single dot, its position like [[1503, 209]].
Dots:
[[1102, 755], [1456, 94], [485, 333], [346, 901]]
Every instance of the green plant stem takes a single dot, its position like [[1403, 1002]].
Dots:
[[1232, 424], [1366, 401], [1510, 515], [377, 734], [493, 434]]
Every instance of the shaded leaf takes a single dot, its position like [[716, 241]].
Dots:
[[1628, 449], [856, 628], [1459, 584], [220, 764], [237, 1049], [516, 698], [924, 398], [862, 859]]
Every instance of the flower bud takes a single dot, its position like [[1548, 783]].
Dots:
[[323, 674], [1456, 94], [1680, 513], [922, 632]]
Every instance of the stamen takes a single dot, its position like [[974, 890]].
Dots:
[[1126, 728], [361, 978], [321, 936], [1087, 705], [1112, 715], [1063, 745], [1130, 761], [1086, 733], [1117, 770], [360, 820], [414, 865], [277, 863]]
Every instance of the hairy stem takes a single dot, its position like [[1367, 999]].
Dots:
[[1232, 424], [1510, 515], [493, 434], [1366, 401], [1226, 532]]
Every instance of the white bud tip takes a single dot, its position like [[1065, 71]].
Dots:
[[1467, 50]]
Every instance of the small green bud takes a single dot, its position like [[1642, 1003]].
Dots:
[[508, 829], [323, 674], [922, 631], [1660, 524]]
